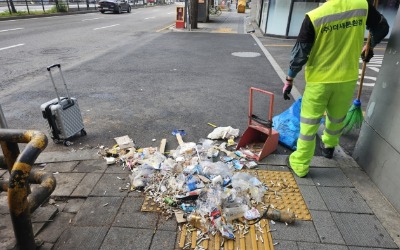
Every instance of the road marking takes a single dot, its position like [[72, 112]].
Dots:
[[105, 27], [278, 45], [165, 27], [150, 17], [13, 46], [282, 75], [11, 29], [92, 19]]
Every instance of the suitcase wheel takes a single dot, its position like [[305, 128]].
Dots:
[[83, 132], [56, 141], [67, 143]]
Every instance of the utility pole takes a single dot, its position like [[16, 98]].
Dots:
[[194, 6]]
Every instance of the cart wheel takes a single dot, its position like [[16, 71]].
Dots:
[[56, 141], [83, 132], [67, 143]]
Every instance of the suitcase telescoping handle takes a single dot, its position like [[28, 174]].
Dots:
[[62, 77]]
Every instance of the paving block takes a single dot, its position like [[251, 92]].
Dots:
[[73, 205], [60, 156], [346, 199], [163, 240], [330, 177], [129, 215], [326, 227], [2, 172], [363, 230], [274, 159], [316, 246], [81, 238], [110, 184], [370, 248], [47, 246], [61, 167], [299, 231], [42, 216], [4, 209], [285, 245], [91, 166], [86, 185], [312, 197], [66, 183], [145, 220], [116, 169], [320, 161], [98, 211], [167, 225], [128, 238], [6, 231], [54, 229]]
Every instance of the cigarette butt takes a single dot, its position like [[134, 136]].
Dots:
[[212, 125]]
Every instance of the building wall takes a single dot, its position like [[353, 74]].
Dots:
[[378, 148], [277, 20]]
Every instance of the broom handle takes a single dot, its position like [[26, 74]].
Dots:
[[364, 66]]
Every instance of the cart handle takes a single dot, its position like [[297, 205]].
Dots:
[[53, 66], [63, 79], [271, 102]]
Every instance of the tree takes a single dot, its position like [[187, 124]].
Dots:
[[13, 10]]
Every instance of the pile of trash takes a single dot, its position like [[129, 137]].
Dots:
[[198, 182]]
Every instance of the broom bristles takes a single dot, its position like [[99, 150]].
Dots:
[[354, 119]]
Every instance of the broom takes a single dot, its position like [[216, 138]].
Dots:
[[355, 117]]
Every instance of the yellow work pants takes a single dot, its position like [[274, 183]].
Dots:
[[335, 99]]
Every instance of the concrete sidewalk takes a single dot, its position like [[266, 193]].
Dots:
[[92, 210]]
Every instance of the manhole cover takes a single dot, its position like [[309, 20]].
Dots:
[[246, 54]]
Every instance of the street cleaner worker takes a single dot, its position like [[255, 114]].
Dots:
[[329, 44]]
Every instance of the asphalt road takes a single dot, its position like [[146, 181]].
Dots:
[[130, 79]]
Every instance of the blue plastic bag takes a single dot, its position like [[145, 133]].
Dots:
[[288, 125]]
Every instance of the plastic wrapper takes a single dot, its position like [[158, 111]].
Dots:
[[216, 168], [141, 176], [223, 133], [252, 214], [154, 159]]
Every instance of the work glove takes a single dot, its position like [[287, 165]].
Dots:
[[287, 88], [369, 56]]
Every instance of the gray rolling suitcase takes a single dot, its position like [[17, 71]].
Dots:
[[63, 114]]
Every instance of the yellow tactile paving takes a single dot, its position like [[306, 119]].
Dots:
[[255, 237], [224, 30]]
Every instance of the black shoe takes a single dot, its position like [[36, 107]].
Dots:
[[288, 165], [326, 152]]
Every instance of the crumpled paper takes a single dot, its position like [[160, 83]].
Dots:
[[223, 133]]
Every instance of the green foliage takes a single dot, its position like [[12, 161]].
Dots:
[[60, 7], [6, 13]]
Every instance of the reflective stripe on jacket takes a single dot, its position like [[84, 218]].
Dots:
[[339, 34]]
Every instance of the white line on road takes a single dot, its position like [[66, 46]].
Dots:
[[10, 47], [11, 29], [150, 17], [92, 19], [105, 27]]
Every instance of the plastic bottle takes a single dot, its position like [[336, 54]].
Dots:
[[232, 213]]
